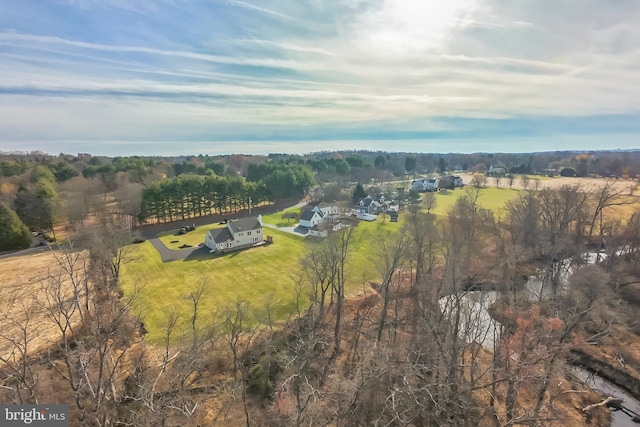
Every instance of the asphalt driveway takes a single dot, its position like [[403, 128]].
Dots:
[[150, 232]]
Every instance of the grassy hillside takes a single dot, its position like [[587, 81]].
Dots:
[[257, 275]]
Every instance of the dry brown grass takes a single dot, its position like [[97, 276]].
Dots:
[[23, 305], [589, 184]]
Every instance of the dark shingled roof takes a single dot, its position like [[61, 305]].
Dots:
[[245, 224], [221, 235], [366, 202], [307, 215]]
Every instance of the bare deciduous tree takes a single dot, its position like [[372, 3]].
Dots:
[[429, 200], [389, 261]]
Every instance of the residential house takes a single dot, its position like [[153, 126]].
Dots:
[[418, 185], [326, 210], [450, 182], [366, 206], [238, 234], [427, 184], [392, 206], [497, 169], [311, 218], [320, 230]]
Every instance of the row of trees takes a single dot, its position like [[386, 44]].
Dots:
[[188, 196]]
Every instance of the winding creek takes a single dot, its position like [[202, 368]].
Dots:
[[485, 330]]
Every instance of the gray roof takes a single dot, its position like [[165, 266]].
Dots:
[[220, 235], [365, 202], [307, 215], [245, 224]]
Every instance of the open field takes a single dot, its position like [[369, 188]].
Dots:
[[586, 183], [489, 198], [257, 275], [22, 300]]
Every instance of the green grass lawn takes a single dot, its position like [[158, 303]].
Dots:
[[258, 275], [490, 198], [277, 220]]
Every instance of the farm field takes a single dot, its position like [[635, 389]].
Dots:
[[22, 302], [489, 198]]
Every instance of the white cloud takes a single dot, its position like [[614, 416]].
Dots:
[[383, 64], [250, 6], [401, 28]]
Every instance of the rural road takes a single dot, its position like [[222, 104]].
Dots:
[[29, 251]]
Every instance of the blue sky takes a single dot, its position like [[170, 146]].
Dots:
[[122, 77]]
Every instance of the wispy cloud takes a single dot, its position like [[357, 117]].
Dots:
[[250, 6], [306, 69]]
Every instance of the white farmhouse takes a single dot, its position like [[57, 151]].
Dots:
[[320, 213], [238, 234], [310, 218], [427, 184]]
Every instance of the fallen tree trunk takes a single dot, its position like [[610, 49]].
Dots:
[[609, 401]]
